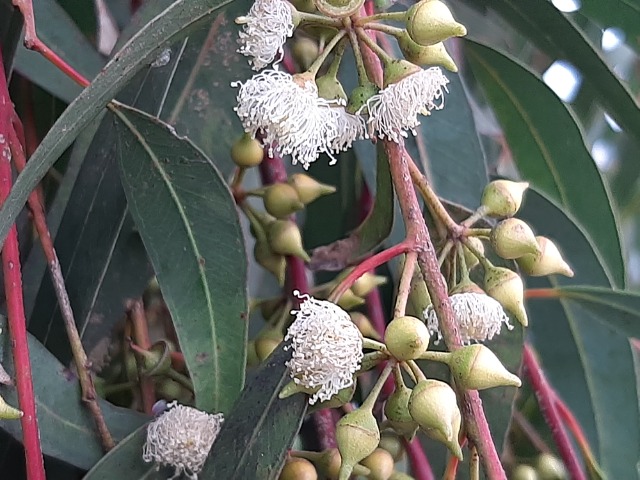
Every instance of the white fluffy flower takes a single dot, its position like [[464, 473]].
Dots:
[[265, 30], [479, 317], [346, 129], [395, 109], [294, 119], [327, 348], [181, 438]]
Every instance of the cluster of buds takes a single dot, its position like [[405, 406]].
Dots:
[[304, 115], [545, 467]]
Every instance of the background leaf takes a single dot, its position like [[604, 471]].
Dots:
[[255, 438], [549, 154], [188, 221]]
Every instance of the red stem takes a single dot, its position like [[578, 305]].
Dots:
[[420, 467], [545, 395], [15, 305]]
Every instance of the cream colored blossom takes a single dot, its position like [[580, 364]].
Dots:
[[265, 30], [395, 109], [346, 129], [479, 317], [181, 438], [327, 348]]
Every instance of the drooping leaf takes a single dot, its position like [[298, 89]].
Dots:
[[188, 222], [256, 436], [139, 51], [587, 361], [67, 430], [549, 149], [623, 15]]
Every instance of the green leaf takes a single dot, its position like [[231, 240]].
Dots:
[[138, 52], [67, 430], [549, 149], [190, 227], [557, 35], [587, 361], [256, 436], [622, 14], [61, 34], [619, 310], [10, 29]]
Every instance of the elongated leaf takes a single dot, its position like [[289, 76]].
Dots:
[[619, 310], [558, 37], [255, 438], [67, 431], [549, 149], [189, 224], [137, 53], [588, 362], [622, 14]]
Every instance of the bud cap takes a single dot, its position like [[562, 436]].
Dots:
[[502, 198], [357, 436], [308, 188], [512, 238], [507, 288], [406, 338], [281, 200], [548, 261], [476, 367], [431, 21]]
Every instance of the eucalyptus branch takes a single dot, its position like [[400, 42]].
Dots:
[[405, 284]]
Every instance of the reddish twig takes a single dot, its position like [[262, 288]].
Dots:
[[541, 293], [530, 432], [545, 395], [32, 42], [420, 466], [15, 305], [138, 318], [89, 396]]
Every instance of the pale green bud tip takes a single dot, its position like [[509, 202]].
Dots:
[[357, 436], [406, 338], [548, 261], [550, 467], [366, 283], [425, 55], [309, 189], [524, 472], [431, 21], [503, 198], [507, 288], [7, 412], [476, 367], [512, 238], [281, 200], [285, 239]]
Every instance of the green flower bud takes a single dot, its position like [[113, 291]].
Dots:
[[270, 261], [470, 259], [400, 476], [397, 70], [330, 88], [298, 469], [341, 398], [156, 360], [431, 21], [265, 347], [364, 325], [339, 8], [247, 152], [548, 261], [366, 283], [350, 300], [305, 51], [507, 288], [252, 355], [512, 238], [281, 200], [433, 405], [380, 463], [7, 412], [309, 189], [467, 286], [357, 436], [550, 467], [476, 367], [419, 298], [328, 463], [502, 198], [360, 95], [285, 238], [425, 55], [524, 472], [406, 338], [392, 444], [396, 409]]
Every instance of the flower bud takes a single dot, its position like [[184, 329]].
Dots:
[[397, 70], [502, 198], [380, 463], [328, 464], [247, 152], [396, 409], [550, 467], [305, 51], [366, 283], [341, 398], [431, 21], [433, 405], [364, 325], [425, 55], [357, 436], [524, 472], [309, 189], [285, 238], [156, 360], [281, 200], [267, 341], [406, 338], [7, 412], [419, 299], [476, 367], [360, 95], [507, 288], [252, 355], [512, 238], [330, 88], [470, 259], [548, 261], [270, 261], [400, 476], [298, 469], [350, 300], [339, 8], [392, 444]]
